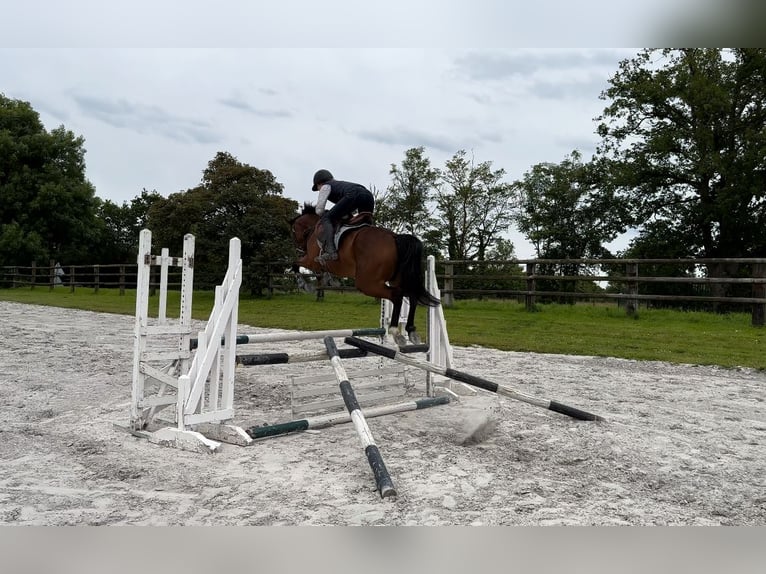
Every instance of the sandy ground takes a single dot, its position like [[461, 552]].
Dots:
[[681, 444]]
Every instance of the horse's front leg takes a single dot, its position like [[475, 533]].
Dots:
[[300, 279]]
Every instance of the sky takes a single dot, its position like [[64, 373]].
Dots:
[[156, 89]]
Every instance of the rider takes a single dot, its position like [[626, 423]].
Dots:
[[347, 197]]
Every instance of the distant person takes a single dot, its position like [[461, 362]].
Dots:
[[347, 197], [58, 274]]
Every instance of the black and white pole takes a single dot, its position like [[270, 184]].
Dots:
[[300, 336], [286, 358], [323, 421], [382, 478], [472, 380]]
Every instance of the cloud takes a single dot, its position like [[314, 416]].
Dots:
[[588, 87], [409, 138], [494, 77], [401, 136], [501, 66], [141, 118], [244, 106]]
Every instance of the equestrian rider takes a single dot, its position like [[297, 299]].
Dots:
[[347, 197]]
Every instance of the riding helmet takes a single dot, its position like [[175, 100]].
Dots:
[[320, 178]]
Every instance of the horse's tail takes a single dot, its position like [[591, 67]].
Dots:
[[409, 266]]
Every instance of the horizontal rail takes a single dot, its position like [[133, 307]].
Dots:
[[689, 298], [611, 278]]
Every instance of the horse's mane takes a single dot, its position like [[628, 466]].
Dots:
[[308, 208]]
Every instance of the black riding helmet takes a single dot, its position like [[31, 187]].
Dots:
[[320, 178]]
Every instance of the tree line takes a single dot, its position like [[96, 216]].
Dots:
[[681, 161]]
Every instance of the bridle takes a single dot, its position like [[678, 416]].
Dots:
[[304, 240]]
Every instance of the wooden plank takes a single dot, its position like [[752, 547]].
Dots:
[[159, 401], [159, 375], [165, 355], [166, 330], [210, 417]]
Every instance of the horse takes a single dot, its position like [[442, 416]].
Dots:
[[383, 264]]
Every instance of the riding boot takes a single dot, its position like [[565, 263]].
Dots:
[[328, 245]]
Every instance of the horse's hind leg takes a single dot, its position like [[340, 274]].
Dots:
[[412, 334], [393, 326]]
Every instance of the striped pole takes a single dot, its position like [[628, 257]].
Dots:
[[302, 336], [322, 421], [284, 358], [382, 478], [472, 380]]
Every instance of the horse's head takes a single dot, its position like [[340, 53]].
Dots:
[[303, 224]]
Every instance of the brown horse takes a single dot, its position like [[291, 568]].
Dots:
[[382, 263]]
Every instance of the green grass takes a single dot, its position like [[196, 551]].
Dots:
[[582, 329]]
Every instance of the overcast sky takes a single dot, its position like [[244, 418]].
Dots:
[[157, 89]]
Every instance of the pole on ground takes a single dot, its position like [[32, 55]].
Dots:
[[472, 380], [382, 478], [322, 421]]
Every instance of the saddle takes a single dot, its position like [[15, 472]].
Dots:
[[362, 219]]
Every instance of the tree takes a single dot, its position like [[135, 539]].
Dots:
[[122, 225], [233, 200], [686, 134], [475, 205], [566, 212], [404, 207], [47, 206]]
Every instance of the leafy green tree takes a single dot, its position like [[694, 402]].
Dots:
[[122, 225], [475, 206], [565, 212], [47, 206], [686, 134], [233, 200], [405, 206]]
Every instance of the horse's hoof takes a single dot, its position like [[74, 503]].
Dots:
[[305, 286], [400, 340], [415, 338], [329, 280]]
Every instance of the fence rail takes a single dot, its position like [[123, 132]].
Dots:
[[716, 281]]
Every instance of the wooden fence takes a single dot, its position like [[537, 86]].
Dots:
[[623, 279], [530, 281], [120, 276]]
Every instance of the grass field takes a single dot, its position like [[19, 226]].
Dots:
[[583, 329]]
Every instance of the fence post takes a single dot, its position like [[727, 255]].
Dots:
[[71, 278], [34, 271], [152, 279], [448, 293], [320, 293], [529, 298], [95, 278], [759, 290], [122, 280], [631, 305], [52, 274]]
